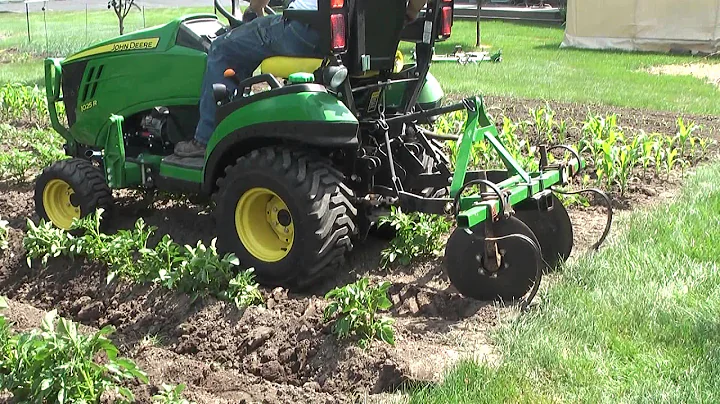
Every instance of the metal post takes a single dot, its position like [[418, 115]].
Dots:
[[143, 13], [86, 22], [27, 17], [478, 42], [47, 47], [235, 6]]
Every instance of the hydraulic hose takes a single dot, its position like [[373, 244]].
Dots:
[[608, 204]]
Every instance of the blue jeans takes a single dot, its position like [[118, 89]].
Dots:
[[243, 49]]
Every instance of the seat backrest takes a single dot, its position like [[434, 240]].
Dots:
[[375, 27]]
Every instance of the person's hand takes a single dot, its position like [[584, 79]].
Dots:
[[258, 6]]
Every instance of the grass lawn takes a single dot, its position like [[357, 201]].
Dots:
[[637, 322], [534, 66]]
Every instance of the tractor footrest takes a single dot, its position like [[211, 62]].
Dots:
[[194, 163]]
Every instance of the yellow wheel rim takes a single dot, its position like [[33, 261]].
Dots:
[[264, 225], [57, 204]]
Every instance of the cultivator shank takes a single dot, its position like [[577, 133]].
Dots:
[[513, 226]]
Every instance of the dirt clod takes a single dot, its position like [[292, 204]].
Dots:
[[90, 313]]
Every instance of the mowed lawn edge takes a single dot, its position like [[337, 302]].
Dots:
[[534, 65], [637, 322]]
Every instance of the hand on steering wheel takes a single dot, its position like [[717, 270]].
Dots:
[[234, 21], [250, 14]]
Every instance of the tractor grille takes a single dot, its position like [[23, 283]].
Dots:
[[91, 81]]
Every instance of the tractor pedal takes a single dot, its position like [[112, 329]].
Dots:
[[195, 163]]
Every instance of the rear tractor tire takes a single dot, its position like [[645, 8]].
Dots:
[[70, 189], [287, 214]]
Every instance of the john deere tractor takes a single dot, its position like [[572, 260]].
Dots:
[[307, 153]]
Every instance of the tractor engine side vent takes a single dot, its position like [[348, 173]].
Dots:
[[91, 81]]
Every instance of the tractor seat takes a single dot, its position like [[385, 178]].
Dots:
[[284, 66]]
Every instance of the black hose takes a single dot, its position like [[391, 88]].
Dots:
[[608, 203], [491, 185]]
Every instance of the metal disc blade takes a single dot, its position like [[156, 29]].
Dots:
[[518, 265], [553, 229]]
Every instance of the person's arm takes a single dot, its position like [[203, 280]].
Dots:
[[414, 8], [258, 6]]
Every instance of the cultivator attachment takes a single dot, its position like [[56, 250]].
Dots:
[[511, 226]]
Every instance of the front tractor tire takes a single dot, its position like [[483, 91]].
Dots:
[[287, 214], [70, 189]]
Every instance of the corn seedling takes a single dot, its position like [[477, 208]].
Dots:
[[356, 307]]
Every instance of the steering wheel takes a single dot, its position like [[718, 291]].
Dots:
[[234, 21]]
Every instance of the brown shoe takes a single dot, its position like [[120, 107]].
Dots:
[[190, 148]]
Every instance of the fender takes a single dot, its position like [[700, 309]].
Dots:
[[299, 114]]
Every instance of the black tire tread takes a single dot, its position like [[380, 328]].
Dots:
[[86, 180], [328, 199]]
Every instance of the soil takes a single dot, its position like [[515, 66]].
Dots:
[[283, 352]]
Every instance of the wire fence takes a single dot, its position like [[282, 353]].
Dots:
[[45, 32]]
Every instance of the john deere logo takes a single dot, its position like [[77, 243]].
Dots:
[[137, 44], [134, 45]]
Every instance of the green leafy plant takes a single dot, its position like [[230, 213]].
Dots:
[[14, 165], [243, 290], [418, 235], [356, 307], [45, 241], [24, 105], [58, 364], [198, 270], [203, 270], [4, 231], [170, 395]]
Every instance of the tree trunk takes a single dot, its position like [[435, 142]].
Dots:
[[121, 21]]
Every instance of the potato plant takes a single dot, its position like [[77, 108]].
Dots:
[[197, 270], [355, 309], [418, 235], [4, 231], [58, 364], [170, 395]]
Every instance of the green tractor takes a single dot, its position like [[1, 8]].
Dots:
[[307, 154]]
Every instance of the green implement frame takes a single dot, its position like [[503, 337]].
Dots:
[[518, 187]]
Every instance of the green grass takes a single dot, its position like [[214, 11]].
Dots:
[[637, 322], [534, 66], [20, 69], [67, 32]]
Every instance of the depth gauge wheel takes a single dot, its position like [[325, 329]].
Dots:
[[70, 189], [552, 228], [518, 267], [287, 214]]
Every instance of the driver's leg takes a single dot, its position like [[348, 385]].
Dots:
[[242, 49]]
